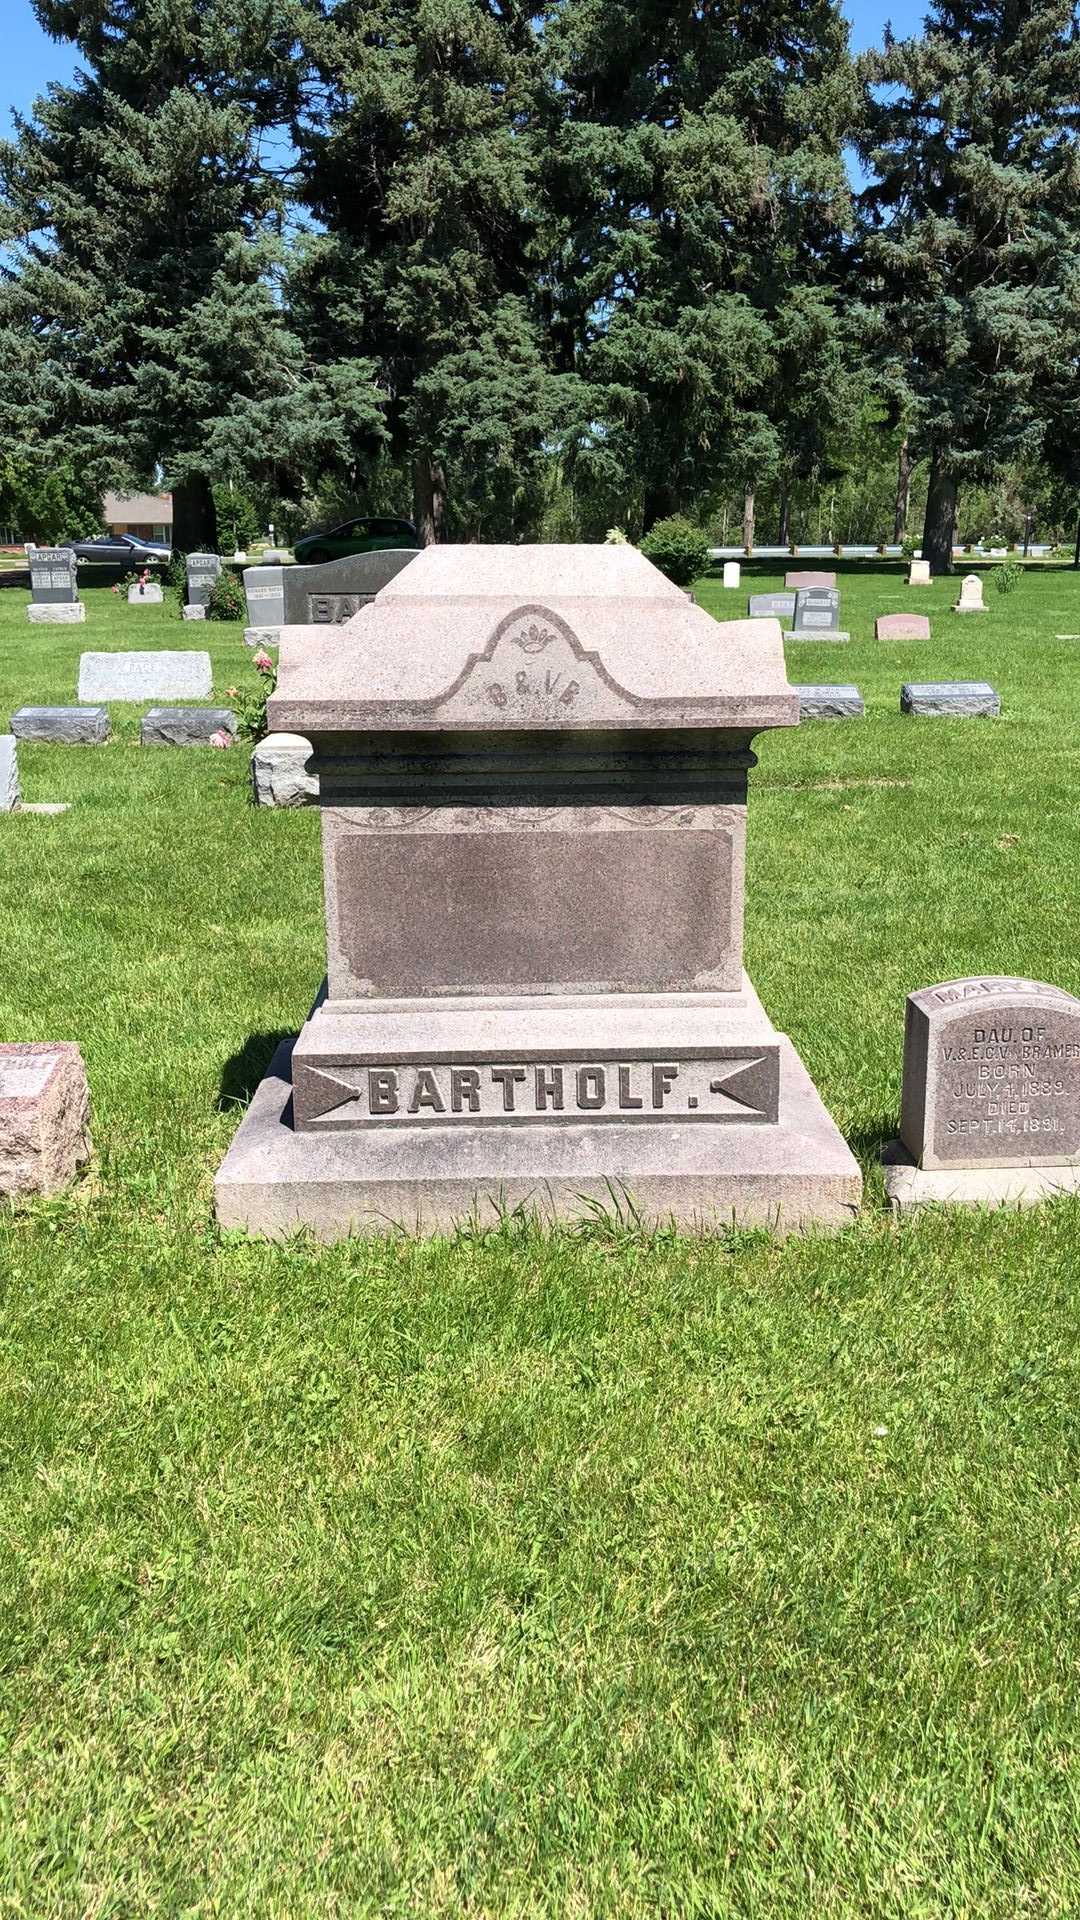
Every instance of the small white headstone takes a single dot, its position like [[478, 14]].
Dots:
[[971, 596], [145, 596], [920, 574], [732, 573]]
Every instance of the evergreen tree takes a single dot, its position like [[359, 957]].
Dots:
[[972, 233], [700, 201], [139, 325], [418, 165]]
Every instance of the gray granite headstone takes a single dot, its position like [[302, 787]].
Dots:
[[62, 726], [991, 1074], [202, 570], [52, 576], [186, 726], [330, 594], [9, 773], [817, 610], [830, 703], [145, 676], [771, 606], [955, 699], [265, 591]]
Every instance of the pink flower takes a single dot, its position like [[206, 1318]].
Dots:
[[232, 693], [220, 738], [263, 662]]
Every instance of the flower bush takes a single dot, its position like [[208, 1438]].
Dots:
[[249, 703], [227, 599]]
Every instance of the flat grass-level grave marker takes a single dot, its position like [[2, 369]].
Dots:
[[902, 626], [950, 699], [830, 703], [62, 726], [145, 676], [44, 1117], [188, 727], [991, 1095], [533, 775], [53, 589]]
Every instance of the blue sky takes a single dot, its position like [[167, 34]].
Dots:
[[31, 59]]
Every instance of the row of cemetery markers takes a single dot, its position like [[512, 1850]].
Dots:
[[544, 1004]]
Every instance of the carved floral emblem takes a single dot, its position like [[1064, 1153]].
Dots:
[[534, 639]]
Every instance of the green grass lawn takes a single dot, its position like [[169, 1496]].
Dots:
[[572, 1574]]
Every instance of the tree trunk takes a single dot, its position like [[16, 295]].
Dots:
[[1076, 553], [194, 519], [748, 520], [903, 492], [429, 498], [659, 504], [784, 536], [940, 524]]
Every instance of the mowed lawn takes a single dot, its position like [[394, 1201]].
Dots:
[[568, 1574]]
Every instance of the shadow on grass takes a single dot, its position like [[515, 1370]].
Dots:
[[867, 1143], [243, 1071]]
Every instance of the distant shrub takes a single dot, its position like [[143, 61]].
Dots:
[[228, 600], [1008, 576], [615, 537], [678, 548]]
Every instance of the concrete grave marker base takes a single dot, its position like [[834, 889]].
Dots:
[[9, 774], [908, 1187], [144, 676], [279, 772], [836, 635], [62, 726], [950, 699], [790, 1174], [62, 613], [44, 1117], [193, 613], [262, 636], [830, 703]]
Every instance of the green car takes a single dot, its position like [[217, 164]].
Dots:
[[354, 536]]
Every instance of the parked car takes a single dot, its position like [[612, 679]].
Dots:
[[354, 536], [119, 550]]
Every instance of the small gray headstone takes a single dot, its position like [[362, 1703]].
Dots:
[[817, 610], [265, 592], [991, 1074], [952, 698], [187, 726], [52, 576], [148, 596], [9, 773], [771, 606], [330, 594], [280, 775], [193, 613], [202, 570], [145, 676], [830, 703], [62, 726]]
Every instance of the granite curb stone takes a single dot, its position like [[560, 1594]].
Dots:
[[62, 726], [186, 726], [830, 703], [950, 699]]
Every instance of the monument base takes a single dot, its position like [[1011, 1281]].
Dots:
[[908, 1187], [835, 634], [300, 1160], [58, 613], [262, 636]]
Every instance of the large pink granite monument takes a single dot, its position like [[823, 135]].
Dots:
[[532, 767]]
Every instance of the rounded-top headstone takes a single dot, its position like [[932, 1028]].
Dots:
[[991, 1074]]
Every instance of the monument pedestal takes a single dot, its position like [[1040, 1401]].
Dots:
[[393, 1116]]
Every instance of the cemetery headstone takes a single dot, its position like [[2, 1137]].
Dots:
[[330, 594], [830, 703], [971, 595], [795, 581], [193, 613], [950, 699], [817, 615], [9, 773], [771, 606], [44, 1117], [62, 726], [145, 595], [280, 775], [920, 574], [53, 588], [202, 571], [536, 982], [264, 589], [732, 573], [902, 626], [991, 1086], [186, 726], [145, 676]]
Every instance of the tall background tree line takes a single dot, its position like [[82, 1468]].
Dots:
[[537, 267]]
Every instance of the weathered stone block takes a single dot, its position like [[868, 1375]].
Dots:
[[145, 676], [187, 726], [9, 773], [830, 703], [952, 699], [60, 613], [902, 626], [196, 612], [62, 726], [280, 773], [44, 1117], [262, 636]]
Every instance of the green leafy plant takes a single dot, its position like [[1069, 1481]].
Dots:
[[678, 548], [1008, 576], [249, 703], [227, 599]]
